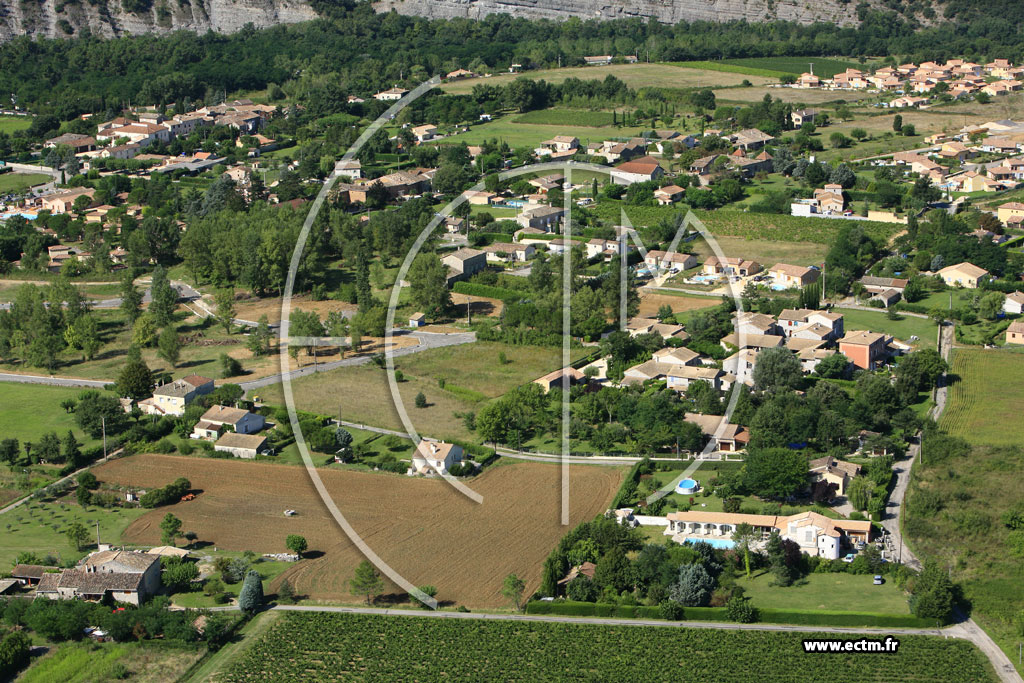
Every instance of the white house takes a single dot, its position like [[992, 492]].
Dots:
[[434, 456], [218, 418], [1014, 303]]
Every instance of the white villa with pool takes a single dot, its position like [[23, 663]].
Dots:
[[816, 534]]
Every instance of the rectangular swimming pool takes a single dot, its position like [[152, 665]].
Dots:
[[722, 543]]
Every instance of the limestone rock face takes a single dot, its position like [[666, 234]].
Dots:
[[108, 18], [666, 11]]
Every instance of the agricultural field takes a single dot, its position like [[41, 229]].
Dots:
[[149, 662], [765, 252], [19, 182], [39, 527], [798, 96], [566, 117], [823, 66], [651, 301], [633, 75], [416, 525], [372, 647], [507, 129], [830, 592], [956, 506], [986, 396], [472, 373], [902, 329]]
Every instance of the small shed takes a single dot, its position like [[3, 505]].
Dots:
[[417, 320]]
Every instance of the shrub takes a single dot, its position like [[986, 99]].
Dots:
[[740, 610]]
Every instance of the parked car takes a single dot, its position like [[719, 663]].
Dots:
[[878, 580], [849, 557]]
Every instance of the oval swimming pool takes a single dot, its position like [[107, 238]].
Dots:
[[687, 486]]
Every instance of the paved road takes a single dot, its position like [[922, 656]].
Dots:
[[427, 340], [53, 381]]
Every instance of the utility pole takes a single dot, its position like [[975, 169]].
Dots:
[[97, 534], [103, 425]]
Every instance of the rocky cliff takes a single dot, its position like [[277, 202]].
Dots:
[[667, 11], [62, 19]]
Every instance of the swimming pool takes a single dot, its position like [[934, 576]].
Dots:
[[722, 543], [687, 486]]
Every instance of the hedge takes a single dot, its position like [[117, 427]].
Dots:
[[774, 616], [487, 291]]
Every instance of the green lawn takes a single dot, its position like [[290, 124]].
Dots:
[[902, 329], [19, 182], [30, 410], [267, 569], [832, 592], [32, 527], [152, 661], [10, 124], [472, 374]]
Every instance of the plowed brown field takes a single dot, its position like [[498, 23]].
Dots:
[[424, 529]]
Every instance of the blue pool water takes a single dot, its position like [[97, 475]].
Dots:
[[687, 486], [723, 543]]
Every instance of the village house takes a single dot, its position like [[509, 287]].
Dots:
[[1015, 332], [730, 266], [669, 194], [833, 471], [546, 218], [171, 398], [657, 259], [219, 419], [560, 245], [31, 574], [830, 199], [63, 201], [972, 181], [424, 132], [643, 169], [433, 457], [750, 138], [808, 80], [507, 252], [801, 116], [351, 168], [866, 350], [246, 446], [560, 145], [679, 377], [597, 60], [546, 183], [122, 575], [815, 534], [963, 274], [76, 141], [1010, 210], [557, 378], [391, 94], [638, 326], [463, 264], [790, 276], [955, 150], [459, 73], [727, 437], [1014, 303]]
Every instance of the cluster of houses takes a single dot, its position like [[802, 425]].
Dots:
[[960, 78], [233, 430], [127, 576]]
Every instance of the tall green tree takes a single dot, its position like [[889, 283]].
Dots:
[[77, 534], [169, 345], [170, 529], [428, 284], [163, 298], [225, 300], [366, 582], [135, 379], [512, 589], [251, 595], [131, 299]]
